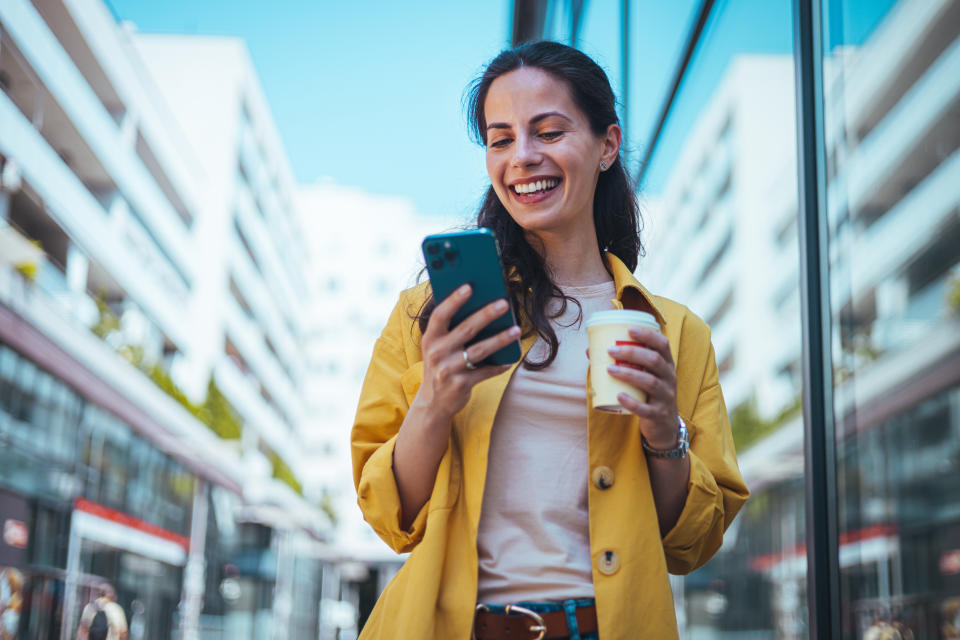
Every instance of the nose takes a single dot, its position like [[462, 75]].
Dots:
[[525, 152]]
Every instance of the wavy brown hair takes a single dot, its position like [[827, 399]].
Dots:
[[616, 216]]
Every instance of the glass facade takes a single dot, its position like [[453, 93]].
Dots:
[[891, 97], [722, 188], [56, 448]]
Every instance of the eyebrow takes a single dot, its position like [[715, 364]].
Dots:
[[534, 120]]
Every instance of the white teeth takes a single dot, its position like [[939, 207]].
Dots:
[[533, 187]]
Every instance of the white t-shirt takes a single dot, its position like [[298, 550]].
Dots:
[[533, 538]]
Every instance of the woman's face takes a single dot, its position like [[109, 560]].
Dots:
[[542, 157]]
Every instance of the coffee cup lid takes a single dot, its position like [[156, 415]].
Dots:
[[623, 316]]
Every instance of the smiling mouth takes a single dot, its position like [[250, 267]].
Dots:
[[535, 188]]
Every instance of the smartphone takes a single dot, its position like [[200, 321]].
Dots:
[[471, 257]]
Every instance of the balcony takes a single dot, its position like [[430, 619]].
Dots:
[[99, 131], [68, 204], [921, 119]]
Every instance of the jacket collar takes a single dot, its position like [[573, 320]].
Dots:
[[630, 293]]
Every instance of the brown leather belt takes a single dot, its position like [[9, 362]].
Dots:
[[523, 624]]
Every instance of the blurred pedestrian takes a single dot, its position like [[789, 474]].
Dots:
[[11, 602], [103, 618], [520, 505]]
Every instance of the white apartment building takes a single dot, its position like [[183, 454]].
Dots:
[[365, 249], [144, 174], [892, 205], [711, 241], [248, 313]]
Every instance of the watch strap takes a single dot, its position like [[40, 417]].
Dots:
[[678, 452]]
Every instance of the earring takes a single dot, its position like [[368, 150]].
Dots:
[[603, 166]]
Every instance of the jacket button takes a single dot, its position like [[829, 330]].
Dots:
[[608, 563], [603, 477]]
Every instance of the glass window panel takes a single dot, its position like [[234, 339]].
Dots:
[[892, 107], [719, 198]]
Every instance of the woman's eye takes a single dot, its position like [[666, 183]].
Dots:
[[551, 135], [501, 142]]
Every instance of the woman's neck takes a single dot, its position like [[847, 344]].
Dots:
[[573, 259]]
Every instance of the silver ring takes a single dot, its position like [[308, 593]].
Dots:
[[466, 360]]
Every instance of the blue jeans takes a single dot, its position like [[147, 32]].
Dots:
[[568, 606]]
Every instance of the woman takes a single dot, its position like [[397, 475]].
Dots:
[[501, 483]]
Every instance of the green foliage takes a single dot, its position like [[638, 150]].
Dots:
[[218, 414], [162, 379], [748, 427], [28, 271], [326, 505], [108, 322], [216, 411], [953, 296], [283, 473]]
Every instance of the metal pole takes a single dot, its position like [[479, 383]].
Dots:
[[74, 544], [625, 70], [194, 574], [693, 38], [823, 567]]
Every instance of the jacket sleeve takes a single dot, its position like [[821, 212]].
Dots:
[[716, 491], [381, 410]]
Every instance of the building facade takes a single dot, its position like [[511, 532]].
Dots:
[[357, 278], [800, 191], [152, 309]]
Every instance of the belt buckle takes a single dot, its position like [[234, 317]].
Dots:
[[539, 626]]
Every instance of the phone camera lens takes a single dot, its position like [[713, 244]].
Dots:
[[436, 263], [433, 249], [449, 255]]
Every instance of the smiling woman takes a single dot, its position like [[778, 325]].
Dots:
[[528, 512]]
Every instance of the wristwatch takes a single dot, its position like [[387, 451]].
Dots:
[[678, 452]]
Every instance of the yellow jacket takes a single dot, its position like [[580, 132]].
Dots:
[[434, 594]]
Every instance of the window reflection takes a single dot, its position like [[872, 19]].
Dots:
[[892, 101], [721, 197]]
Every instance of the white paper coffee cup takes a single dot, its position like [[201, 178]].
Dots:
[[607, 329]]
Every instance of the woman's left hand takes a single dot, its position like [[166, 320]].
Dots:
[[657, 378]]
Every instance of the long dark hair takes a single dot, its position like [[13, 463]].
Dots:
[[616, 216]]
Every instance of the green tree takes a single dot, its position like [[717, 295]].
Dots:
[[749, 427]]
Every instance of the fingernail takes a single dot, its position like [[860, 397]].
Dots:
[[514, 332], [612, 368], [501, 305], [613, 350], [464, 290]]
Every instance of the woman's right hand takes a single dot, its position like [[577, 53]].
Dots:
[[447, 381]]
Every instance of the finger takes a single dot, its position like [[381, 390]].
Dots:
[[656, 389], [475, 322], [633, 405], [485, 348], [439, 323], [643, 357], [653, 340]]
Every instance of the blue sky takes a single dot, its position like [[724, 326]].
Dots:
[[369, 92], [365, 92]]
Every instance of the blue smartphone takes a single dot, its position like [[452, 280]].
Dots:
[[471, 257]]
